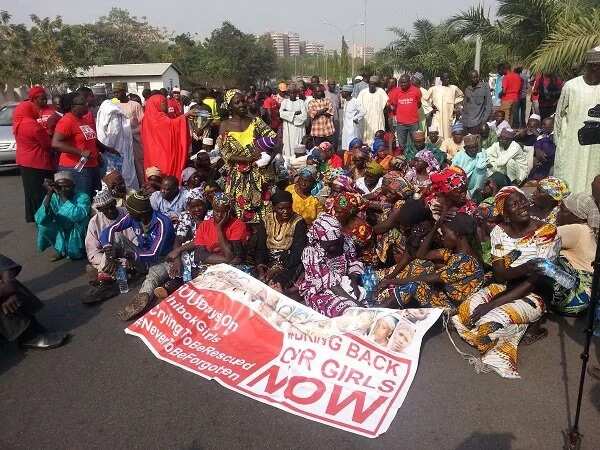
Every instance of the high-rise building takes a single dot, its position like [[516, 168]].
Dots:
[[357, 52], [294, 44], [314, 48], [281, 43]]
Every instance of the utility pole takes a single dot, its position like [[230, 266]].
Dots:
[[365, 36], [477, 52], [325, 65]]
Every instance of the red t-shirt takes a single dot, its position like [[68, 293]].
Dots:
[[272, 106], [45, 114], [406, 103], [81, 134], [206, 234], [174, 108], [511, 86]]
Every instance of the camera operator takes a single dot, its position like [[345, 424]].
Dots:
[[576, 163]]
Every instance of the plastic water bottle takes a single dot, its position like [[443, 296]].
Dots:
[[551, 270], [81, 164], [187, 272], [122, 279]]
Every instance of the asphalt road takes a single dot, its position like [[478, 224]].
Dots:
[[106, 390]]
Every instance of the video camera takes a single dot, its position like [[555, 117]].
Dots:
[[590, 133]]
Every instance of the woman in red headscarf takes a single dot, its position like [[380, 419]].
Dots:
[[34, 153], [166, 141]]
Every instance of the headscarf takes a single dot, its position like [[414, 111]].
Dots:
[[344, 183], [187, 174], [24, 112], [196, 194], [325, 146], [448, 179], [583, 206], [221, 199], [348, 202], [229, 96], [397, 183], [111, 177], [377, 144], [500, 179], [356, 142], [554, 187], [35, 91], [501, 196], [331, 174], [281, 197], [308, 172], [428, 156], [362, 151], [325, 228], [374, 169]]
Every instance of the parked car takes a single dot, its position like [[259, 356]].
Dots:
[[8, 145]]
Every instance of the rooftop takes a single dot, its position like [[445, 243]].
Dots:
[[127, 70]]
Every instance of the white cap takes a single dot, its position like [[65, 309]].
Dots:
[[358, 77], [536, 117], [208, 141], [433, 128]]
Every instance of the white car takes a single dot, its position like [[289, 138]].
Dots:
[[8, 145]]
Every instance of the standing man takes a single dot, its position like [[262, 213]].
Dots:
[[360, 84], [426, 110], [135, 113], [293, 113], [510, 95], [444, 98], [334, 97], [477, 106], [320, 111], [373, 101], [574, 163], [353, 114], [405, 102]]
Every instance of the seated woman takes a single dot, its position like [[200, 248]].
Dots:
[[303, 203], [18, 306], [449, 192], [460, 275], [491, 186], [360, 158], [355, 144], [550, 192], [395, 191], [421, 166], [372, 179], [495, 319], [62, 219], [154, 179], [346, 207], [331, 269], [283, 240], [454, 144], [578, 220], [182, 265]]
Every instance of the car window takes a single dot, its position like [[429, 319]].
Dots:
[[6, 115]]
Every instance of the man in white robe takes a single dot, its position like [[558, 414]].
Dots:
[[293, 113], [443, 99], [113, 129], [352, 118], [373, 101], [508, 157], [574, 163]]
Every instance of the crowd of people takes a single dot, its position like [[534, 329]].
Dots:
[[380, 193]]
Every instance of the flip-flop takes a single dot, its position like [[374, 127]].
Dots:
[[529, 339]]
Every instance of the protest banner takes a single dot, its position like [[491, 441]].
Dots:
[[351, 372]]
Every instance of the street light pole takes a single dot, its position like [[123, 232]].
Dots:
[[477, 52], [365, 36]]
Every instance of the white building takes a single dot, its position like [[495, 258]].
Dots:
[[137, 76], [358, 50], [314, 48], [294, 44]]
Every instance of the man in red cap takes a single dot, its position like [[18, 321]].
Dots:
[[175, 108]]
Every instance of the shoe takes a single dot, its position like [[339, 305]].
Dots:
[[100, 293], [161, 293], [135, 308], [45, 341]]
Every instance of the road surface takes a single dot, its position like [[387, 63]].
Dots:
[[106, 390]]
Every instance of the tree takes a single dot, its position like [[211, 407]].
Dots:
[[344, 69], [14, 41], [124, 39]]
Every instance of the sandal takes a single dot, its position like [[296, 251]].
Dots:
[[530, 338], [135, 308]]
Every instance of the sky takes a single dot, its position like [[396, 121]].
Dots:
[[258, 16]]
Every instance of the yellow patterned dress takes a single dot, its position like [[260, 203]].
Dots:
[[246, 182], [497, 334]]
